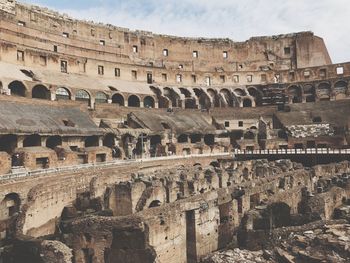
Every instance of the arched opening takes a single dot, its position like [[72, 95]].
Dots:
[[63, 94], [247, 103], [279, 215], [209, 139], [183, 138], [101, 97], [109, 140], [215, 99], [117, 153], [118, 99], [173, 97], [17, 88], [53, 142], [32, 141], [92, 141], [41, 92], [8, 143], [254, 92], [11, 204], [190, 102], [295, 94], [83, 96], [324, 91], [340, 89], [239, 92], [155, 203], [227, 98], [249, 135], [148, 102], [310, 93], [203, 99], [195, 138], [134, 101], [140, 145]]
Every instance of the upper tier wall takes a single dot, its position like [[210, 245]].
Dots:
[[47, 37]]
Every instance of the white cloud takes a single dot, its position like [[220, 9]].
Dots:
[[235, 19]]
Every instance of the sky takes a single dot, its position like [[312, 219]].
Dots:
[[235, 19]]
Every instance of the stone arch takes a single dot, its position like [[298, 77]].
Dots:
[[41, 92], [32, 140], [324, 91], [247, 103], [53, 141], [101, 97], [239, 92], [155, 203], [309, 93], [203, 99], [134, 101], [17, 88], [118, 99], [256, 94], [190, 102], [340, 89], [227, 97], [295, 94], [11, 205], [173, 97], [63, 94], [149, 102], [214, 97], [83, 96]]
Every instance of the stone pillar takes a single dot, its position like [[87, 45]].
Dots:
[[156, 105], [20, 141], [43, 141], [100, 141], [142, 104], [53, 96]]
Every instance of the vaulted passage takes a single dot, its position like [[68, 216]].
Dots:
[[118, 99], [133, 101], [17, 89], [41, 92]]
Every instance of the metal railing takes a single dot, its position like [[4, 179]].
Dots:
[[325, 151], [102, 165]]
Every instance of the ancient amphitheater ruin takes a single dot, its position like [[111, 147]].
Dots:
[[132, 147]]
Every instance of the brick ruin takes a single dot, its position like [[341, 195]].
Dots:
[[129, 146]]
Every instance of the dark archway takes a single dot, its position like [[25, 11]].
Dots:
[[247, 103], [63, 94], [148, 102], [41, 92], [295, 94], [32, 141], [183, 138], [195, 138], [118, 99], [17, 88], [134, 101], [109, 140], [8, 143], [101, 97], [12, 203], [92, 141], [53, 142], [83, 95], [209, 139], [155, 203]]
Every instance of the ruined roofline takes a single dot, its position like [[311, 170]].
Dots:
[[55, 14]]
